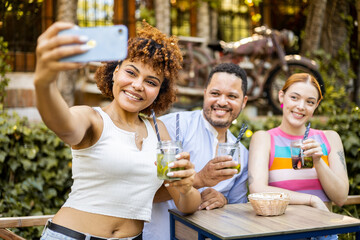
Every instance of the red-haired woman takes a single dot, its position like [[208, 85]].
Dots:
[[270, 165]]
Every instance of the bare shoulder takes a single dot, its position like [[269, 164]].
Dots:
[[160, 124], [83, 109], [260, 140], [163, 130], [150, 119], [86, 113], [332, 136], [164, 135], [88, 125], [330, 133], [260, 135]]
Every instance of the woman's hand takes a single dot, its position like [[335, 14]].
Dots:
[[312, 149], [51, 48], [187, 175], [316, 202]]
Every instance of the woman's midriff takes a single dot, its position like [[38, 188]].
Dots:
[[96, 224]]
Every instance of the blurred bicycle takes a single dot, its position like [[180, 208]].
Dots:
[[262, 56]]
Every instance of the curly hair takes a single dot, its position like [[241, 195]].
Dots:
[[159, 51]]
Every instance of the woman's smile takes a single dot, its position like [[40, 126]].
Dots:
[[133, 95], [297, 115]]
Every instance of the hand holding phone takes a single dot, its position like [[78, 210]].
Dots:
[[106, 43]]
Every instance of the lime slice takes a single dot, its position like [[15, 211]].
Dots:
[[165, 171], [237, 167]]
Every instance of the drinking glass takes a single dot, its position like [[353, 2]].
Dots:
[[232, 149], [299, 161], [166, 152]]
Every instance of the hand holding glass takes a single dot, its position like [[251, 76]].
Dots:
[[299, 161], [231, 149], [166, 152]]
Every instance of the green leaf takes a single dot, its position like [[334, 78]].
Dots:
[[351, 141], [2, 156], [31, 153], [26, 164], [48, 175], [50, 193], [13, 164]]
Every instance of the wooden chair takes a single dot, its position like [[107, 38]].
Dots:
[[32, 221], [18, 222], [352, 199]]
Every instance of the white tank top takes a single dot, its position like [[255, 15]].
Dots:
[[113, 177]]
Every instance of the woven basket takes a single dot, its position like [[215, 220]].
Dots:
[[269, 203]]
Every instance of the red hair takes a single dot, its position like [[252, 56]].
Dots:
[[302, 77]]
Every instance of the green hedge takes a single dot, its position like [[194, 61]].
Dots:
[[35, 170]]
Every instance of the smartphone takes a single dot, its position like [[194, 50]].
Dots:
[[108, 43]]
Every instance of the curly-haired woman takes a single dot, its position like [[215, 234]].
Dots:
[[113, 147]]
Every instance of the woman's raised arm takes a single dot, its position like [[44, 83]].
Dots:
[[69, 124]]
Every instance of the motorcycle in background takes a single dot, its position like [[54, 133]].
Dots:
[[261, 55]]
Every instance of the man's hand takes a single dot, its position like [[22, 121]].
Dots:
[[210, 199], [215, 171]]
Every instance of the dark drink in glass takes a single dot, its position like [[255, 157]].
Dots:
[[299, 161]]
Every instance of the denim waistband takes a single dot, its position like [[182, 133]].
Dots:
[[82, 236]]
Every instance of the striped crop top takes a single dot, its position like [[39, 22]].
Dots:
[[281, 173]]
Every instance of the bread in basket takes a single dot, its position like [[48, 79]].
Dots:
[[269, 203]]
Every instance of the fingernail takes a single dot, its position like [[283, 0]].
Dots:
[[177, 156], [83, 38], [171, 165], [170, 174], [85, 47], [166, 185]]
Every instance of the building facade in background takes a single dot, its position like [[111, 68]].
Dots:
[[22, 21], [229, 20]]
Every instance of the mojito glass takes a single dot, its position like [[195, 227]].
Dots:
[[232, 149], [166, 152]]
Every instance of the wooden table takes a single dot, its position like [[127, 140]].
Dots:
[[239, 221]]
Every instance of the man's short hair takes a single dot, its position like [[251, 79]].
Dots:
[[230, 68]]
